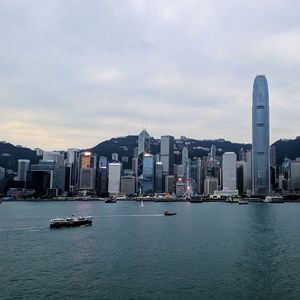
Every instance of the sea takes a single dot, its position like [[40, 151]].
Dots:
[[205, 251]]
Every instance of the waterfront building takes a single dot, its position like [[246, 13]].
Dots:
[[229, 173], [114, 177], [134, 165], [143, 147], [169, 183], [185, 156], [148, 174], [73, 169], [128, 185], [180, 187], [158, 181], [295, 175], [167, 154], [88, 169], [23, 168], [56, 175], [102, 181], [260, 137], [210, 185]]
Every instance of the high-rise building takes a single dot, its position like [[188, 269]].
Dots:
[[88, 168], [210, 185], [2, 173], [185, 156], [158, 182], [229, 171], [23, 168], [128, 185], [167, 154], [295, 175], [73, 169], [143, 147], [260, 137], [114, 178], [169, 183], [102, 177], [148, 174]]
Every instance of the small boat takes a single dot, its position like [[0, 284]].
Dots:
[[167, 213], [243, 202], [111, 200], [70, 222], [273, 199]]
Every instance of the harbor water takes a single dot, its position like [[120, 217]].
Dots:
[[205, 251]]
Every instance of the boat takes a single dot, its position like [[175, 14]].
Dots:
[[233, 199], [111, 200], [70, 222], [243, 202], [273, 199], [167, 213]]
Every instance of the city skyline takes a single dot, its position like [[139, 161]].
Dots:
[[73, 74]]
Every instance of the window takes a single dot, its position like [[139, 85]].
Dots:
[[260, 153], [260, 106], [260, 124]]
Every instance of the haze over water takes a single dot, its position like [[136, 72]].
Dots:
[[211, 250]]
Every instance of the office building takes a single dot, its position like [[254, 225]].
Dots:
[[148, 174], [229, 172], [88, 169], [23, 168], [167, 154], [260, 137], [210, 185], [143, 147], [114, 178], [128, 185], [158, 181]]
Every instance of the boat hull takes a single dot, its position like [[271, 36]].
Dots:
[[71, 223]]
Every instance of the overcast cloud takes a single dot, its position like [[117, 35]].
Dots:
[[76, 72]]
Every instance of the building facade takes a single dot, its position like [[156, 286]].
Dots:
[[260, 137]]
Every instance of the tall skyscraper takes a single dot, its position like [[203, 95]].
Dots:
[[260, 137], [167, 154], [114, 178], [229, 172], [143, 147], [88, 167], [148, 174]]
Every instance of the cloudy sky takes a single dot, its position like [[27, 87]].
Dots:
[[76, 72]]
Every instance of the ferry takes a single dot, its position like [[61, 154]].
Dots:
[[70, 222], [273, 199]]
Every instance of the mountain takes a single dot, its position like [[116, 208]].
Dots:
[[9, 155], [287, 148], [124, 146]]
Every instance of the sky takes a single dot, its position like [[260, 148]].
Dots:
[[74, 73]]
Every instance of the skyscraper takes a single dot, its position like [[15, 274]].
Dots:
[[114, 178], [167, 154], [260, 137], [229, 172], [143, 147]]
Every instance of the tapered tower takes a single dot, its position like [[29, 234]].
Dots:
[[260, 137]]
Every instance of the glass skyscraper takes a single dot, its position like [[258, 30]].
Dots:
[[260, 137]]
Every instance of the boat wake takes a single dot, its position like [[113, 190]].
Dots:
[[30, 229], [145, 215]]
